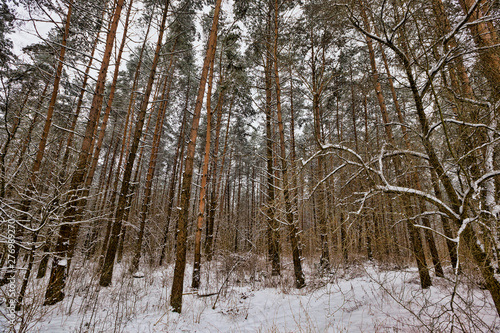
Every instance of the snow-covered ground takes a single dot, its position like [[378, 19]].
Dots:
[[362, 298]]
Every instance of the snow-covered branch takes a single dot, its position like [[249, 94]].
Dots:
[[427, 197]]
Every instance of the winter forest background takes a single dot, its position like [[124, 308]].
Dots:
[[249, 166]]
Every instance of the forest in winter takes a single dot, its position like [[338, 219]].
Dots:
[[249, 166]]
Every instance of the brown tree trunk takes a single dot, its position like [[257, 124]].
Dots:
[[414, 233], [293, 230], [173, 181], [152, 163], [125, 143], [273, 234], [214, 197], [134, 189], [321, 209], [343, 238], [294, 193], [195, 283], [71, 133], [487, 40], [107, 270], [54, 292], [180, 263], [462, 82], [104, 203], [29, 191], [102, 131]]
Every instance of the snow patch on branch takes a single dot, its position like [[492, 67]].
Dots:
[[427, 197]]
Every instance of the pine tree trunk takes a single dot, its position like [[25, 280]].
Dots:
[[321, 209], [214, 197], [107, 270], [273, 235], [54, 292], [152, 163], [71, 132], [102, 131], [486, 39], [180, 262], [173, 181], [293, 230], [29, 191], [125, 145], [415, 238], [195, 283]]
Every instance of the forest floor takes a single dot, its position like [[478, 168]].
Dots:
[[360, 298]]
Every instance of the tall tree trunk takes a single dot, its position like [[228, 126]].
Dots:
[[79, 103], [216, 188], [321, 209], [180, 262], [133, 195], [54, 292], [293, 230], [273, 234], [293, 155], [425, 280], [213, 197], [104, 203], [102, 131], [173, 181], [153, 162], [125, 143], [195, 283], [107, 270], [30, 187], [461, 84]]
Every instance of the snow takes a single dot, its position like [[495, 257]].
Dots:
[[138, 275], [362, 298], [427, 197], [496, 211]]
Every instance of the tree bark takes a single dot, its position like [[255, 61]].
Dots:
[[180, 263], [152, 163], [415, 238], [293, 230], [54, 292], [108, 265], [173, 181], [30, 187], [195, 284]]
